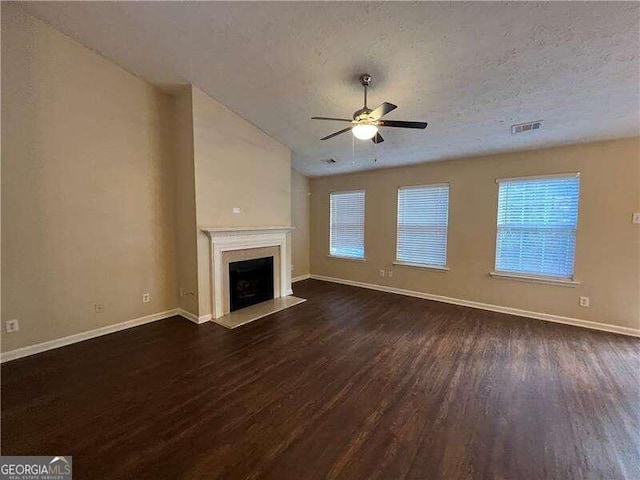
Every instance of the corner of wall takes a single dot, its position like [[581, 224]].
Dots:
[[185, 201], [301, 220]]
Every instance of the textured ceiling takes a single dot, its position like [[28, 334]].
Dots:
[[469, 69]]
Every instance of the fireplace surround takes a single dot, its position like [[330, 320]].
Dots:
[[226, 246]]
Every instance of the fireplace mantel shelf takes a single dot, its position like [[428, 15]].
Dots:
[[217, 231]]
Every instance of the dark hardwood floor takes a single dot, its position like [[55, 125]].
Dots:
[[353, 384]]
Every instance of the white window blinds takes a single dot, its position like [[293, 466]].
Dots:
[[423, 216], [537, 220], [346, 232]]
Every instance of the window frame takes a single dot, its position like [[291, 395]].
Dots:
[[425, 265], [364, 217], [536, 277]]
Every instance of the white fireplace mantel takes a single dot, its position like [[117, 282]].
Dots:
[[227, 231], [224, 239]]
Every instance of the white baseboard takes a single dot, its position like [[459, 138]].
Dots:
[[300, 278], [486, 306], [79, 337], [194, 318], [98, 332]]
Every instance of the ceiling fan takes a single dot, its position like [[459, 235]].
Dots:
[[365, 121]]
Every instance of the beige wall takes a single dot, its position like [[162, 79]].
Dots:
[[86, 190], [185, 202], [300, 220], [607, 261], [236, 165]]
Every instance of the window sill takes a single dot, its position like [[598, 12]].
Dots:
[[353, 259], [421, 265], [535, 279]]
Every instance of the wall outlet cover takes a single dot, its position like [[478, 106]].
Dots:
[[146, 298], [390, 273], [381, 273], [636, 218], [236, 210], [12, 325], [584, 301]]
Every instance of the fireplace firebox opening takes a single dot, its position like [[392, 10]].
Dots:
[[250, 282]]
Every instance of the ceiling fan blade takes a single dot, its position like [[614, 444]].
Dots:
[[377, 138], [336, 133], [331, 118], [401, 124], [381, 110]]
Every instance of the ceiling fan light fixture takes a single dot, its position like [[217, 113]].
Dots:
[[364, 131]]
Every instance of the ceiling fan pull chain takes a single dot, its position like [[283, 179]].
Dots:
[[353, 149], [375, 152]]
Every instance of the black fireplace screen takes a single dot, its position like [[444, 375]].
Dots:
[[250, 282]]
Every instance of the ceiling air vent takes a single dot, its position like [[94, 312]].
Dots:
[[526, 127], [329, 161]]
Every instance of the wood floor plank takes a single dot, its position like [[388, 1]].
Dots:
[[352, 384]]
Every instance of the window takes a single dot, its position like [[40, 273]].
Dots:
[[423, 216], [346, 231], [537, 220]]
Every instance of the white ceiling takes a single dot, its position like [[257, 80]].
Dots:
[[469, 69]]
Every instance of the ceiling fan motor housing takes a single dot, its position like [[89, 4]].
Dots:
[[362, 114]]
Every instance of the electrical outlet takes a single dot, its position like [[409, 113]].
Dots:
[[146, 297], [636, 217], [235, 210], [381, 273], [12, 325], [98, 308], [390, 273], [584, 301]]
